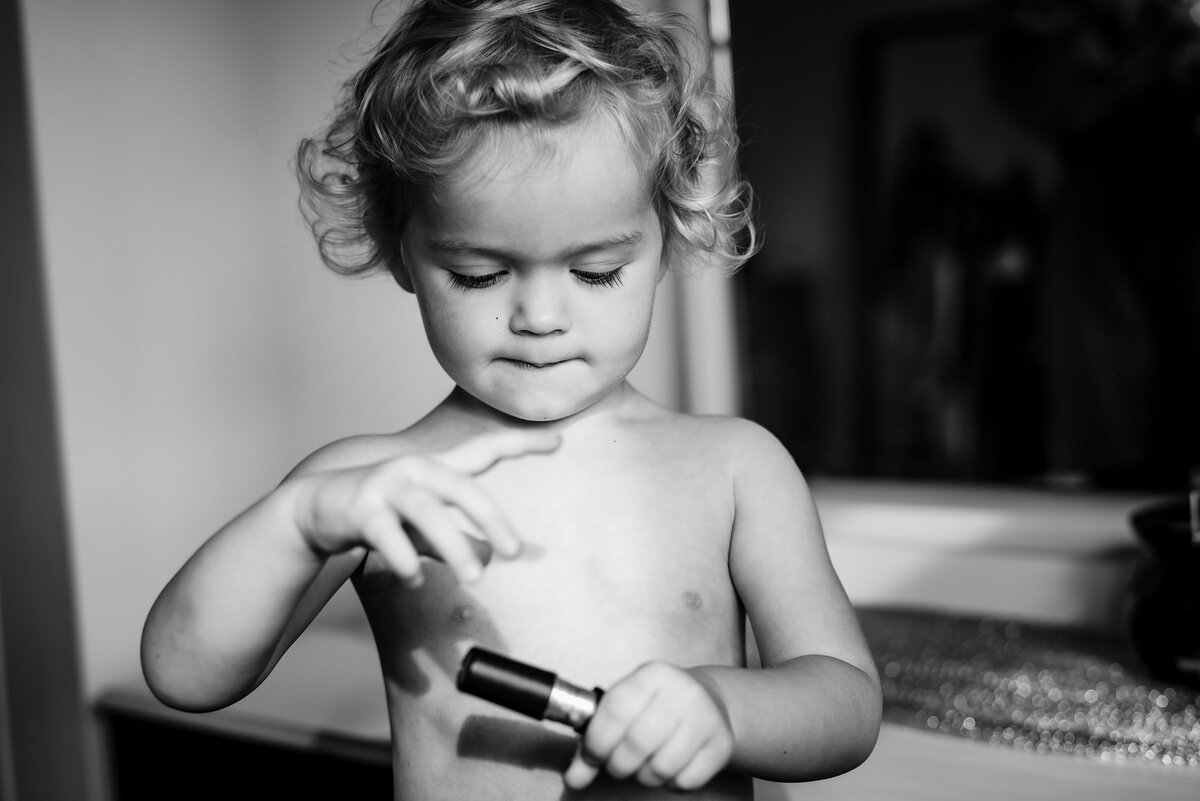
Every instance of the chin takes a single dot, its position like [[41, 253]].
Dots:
[[537, 410], [533, 413]]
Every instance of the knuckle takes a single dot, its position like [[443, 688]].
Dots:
[[366, 508], [662, 766], [623, 762], [487, 514], [656, 670], [623, 707], [368, 518], [695, 693], [651, 776], [627, 757], [415, 501], [601, 741], [639, 742]]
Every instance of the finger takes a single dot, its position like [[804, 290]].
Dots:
[[581, 772], [620, 707], [421, 510], [475, 510], [652, 729], [712, 757], [670, 758], [478, 455], [382, 533], [482, 548]]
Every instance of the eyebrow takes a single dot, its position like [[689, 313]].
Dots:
[[455, 247]]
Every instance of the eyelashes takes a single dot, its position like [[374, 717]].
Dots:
[[465, 282], [607, 279], [612, 278]]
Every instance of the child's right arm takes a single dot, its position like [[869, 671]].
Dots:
[[224, 620]]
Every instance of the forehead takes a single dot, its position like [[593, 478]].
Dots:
[[524, 148], [521, 185]]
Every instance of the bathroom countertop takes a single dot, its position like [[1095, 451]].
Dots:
[[913, 765], [1031, 687], [992, 709]]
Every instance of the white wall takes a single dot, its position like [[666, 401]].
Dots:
[[200, 348]]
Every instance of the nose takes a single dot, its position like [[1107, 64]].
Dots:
[[540, 305]]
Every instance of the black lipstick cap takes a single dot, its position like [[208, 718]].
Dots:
[[507, 682]]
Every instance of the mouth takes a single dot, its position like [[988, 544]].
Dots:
[[524, 365]]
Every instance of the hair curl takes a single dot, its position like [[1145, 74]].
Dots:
[[451, 74]]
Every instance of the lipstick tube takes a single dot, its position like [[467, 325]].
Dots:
[[526, 689]]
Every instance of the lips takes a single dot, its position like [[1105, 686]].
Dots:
[[533, 365]]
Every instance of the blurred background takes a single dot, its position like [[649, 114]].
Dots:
[[987, 213], [977, 288]]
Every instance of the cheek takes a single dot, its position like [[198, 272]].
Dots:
[[634, 317], [455, 327]]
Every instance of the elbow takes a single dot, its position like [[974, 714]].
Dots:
[[167, 684], [184, 693], [852, 749], [178, 681], [870, 717], [845, 733], [860, 748]]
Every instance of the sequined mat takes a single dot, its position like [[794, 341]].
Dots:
[[1032, 687]]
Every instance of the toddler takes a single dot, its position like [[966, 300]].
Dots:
[[529, 170]]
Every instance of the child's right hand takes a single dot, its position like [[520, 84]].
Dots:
[[417, 505]]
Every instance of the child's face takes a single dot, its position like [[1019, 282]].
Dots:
[[535, 270]]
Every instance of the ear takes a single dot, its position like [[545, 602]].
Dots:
[[664, 262], [399, 271], [398, 266]]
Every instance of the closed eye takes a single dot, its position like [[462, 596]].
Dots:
[[465, 282], [611, 278]]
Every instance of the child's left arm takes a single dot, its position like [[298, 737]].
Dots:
[[811, 712]]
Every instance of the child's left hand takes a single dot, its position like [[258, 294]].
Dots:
[[660, 724]]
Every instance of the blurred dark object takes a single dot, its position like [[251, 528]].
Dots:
[[1063, 66], [1164, 592], [950, 212], [960, 392], [780, 383], [1114, 88]]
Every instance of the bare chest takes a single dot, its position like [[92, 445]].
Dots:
[[625, 560]]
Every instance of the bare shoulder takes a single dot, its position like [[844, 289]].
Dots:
[[761, 471], [739, 443]]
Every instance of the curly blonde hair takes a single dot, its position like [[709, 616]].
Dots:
[[452, 74]]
